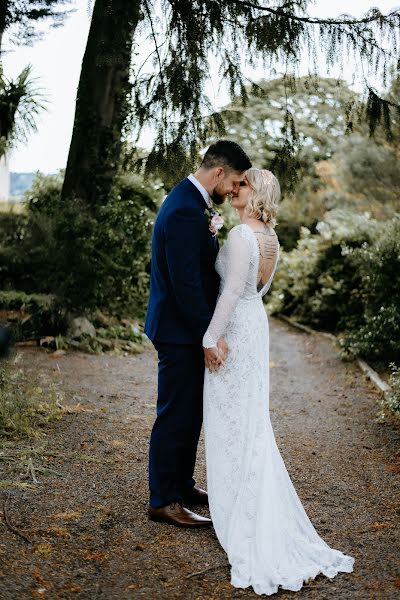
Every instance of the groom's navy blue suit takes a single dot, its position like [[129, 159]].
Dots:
[[183, 293]]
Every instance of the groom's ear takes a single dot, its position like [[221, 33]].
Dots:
[[219, 171]]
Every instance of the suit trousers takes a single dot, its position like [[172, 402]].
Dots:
[[176, 431]]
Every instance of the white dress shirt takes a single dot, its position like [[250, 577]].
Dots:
[[201, 189]]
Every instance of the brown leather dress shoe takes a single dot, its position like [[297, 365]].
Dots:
[[196, 496], [176, 514]]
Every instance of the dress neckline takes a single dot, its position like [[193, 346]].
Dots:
[[251, 229]]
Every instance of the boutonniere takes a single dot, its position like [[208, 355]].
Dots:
[[216, 221]]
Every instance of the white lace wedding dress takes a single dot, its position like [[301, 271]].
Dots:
[[257, 515]]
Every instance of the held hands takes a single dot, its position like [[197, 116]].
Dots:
[[215, 357]]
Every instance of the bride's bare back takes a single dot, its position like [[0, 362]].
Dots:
[[267, 241]]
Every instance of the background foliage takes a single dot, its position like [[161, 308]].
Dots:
[[342, 279], [89, 258]]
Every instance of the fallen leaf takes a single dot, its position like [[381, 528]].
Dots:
[[57, 353], [69, 515], [381, 525], [61, 532], [76, 408], [393, 468], [47, 585], [44, 549]]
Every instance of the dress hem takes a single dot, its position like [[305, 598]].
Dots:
[[294, 585]]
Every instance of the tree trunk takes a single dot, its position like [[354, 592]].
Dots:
[[102, 103]]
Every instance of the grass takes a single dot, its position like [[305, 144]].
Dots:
[[25, 406], [13, 207]]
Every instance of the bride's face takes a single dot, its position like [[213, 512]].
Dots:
[[240, 199]]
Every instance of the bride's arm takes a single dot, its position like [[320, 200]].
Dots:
[[237, 268]]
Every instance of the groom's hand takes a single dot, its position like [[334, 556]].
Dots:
[[212, 359]]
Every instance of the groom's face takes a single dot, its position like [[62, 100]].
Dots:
[[227, 182]]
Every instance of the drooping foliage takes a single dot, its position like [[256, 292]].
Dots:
[[22, 15], [184, 38], [189, 36]]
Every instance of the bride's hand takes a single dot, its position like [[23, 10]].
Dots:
[[223, 349]]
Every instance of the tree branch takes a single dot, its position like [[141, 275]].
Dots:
[[316, 21], [156, 46], [9, 525]]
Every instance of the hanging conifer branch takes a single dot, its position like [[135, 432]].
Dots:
[[378, 110], [375, 16], [173, 100]]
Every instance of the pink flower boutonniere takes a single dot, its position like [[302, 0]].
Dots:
[[216, 223]]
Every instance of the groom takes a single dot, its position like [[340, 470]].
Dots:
[[183, 293]]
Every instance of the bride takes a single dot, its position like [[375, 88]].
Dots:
[[257, 515]]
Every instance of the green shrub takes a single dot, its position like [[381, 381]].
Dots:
[[12, 227], [316, 282], [29, 258], [107, 249], [344, 279], [88, 256], [378, 335], [44, 194], [393, 401], [33, 315]]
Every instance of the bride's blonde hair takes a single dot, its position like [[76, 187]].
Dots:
[[263, 201]]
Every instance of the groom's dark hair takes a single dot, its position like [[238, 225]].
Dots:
[[225, 153]]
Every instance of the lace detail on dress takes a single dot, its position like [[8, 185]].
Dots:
[[257, 515], [239, 262]]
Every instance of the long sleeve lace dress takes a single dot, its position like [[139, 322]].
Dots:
[[256, 512]]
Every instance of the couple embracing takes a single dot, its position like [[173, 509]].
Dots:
[[207, 321]]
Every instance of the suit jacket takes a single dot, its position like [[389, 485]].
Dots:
[[184, 284]]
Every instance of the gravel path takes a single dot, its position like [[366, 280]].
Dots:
[[89, 531]]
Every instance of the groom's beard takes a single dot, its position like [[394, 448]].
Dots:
[[217, 198]]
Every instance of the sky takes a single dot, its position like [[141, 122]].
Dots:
[[56, 62]]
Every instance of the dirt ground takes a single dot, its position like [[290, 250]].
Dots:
[[88, 528]]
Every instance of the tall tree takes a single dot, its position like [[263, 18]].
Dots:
[[317, 108], [102, 104], [186, 36]]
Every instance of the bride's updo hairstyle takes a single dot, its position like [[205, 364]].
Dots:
[[263, 201]]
